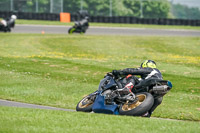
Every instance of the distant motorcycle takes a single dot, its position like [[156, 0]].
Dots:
[[7, 24], [111, 99], [80, 26]]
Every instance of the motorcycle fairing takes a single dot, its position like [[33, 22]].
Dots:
[[99, 106]]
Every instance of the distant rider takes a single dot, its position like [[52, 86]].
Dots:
[[147, 70], [11, 21], [8, 23]]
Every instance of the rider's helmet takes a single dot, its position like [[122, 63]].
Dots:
[[148, 63], [14, 17]]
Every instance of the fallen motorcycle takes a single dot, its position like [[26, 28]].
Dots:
[[110, 98], [7, 24]]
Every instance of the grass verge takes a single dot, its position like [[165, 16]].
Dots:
[[21, 120]]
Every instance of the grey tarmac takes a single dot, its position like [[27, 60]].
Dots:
[[51, 29]]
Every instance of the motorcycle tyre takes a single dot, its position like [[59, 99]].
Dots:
[[141, 109], [5, 30], [84, 109], [71, 30]]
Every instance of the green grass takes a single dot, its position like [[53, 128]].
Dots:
[[58, 70], [22, 120], [42, 22]]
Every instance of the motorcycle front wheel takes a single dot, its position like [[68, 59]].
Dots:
[[71, 30], [144, 103], [85, 105]]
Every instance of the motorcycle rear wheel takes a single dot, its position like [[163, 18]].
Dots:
[[85, 105], [144, 104], [71, 30]]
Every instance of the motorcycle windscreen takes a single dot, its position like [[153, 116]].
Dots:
[[100, 107]]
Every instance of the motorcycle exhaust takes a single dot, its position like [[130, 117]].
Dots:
[[160, 89]]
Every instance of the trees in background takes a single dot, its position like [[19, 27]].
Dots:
[[137, 8], [71, 6], [148, 8], [184, 12], [156, 9], [4, 5]]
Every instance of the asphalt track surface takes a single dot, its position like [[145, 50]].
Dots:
[[50, 29], [27, 105], [34, 106]]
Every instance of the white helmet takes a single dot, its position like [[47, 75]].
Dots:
[[14, 17]]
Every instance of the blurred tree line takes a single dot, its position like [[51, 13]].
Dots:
[[146, 8], [184, 12], [137, 8]]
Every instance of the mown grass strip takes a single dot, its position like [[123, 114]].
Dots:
[[20, 120]]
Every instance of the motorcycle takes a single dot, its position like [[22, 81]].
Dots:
[[7, 24], [80, 26], [111, 99]]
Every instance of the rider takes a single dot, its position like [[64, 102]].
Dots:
[[9, 22], [84, 22], [147, 70]]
